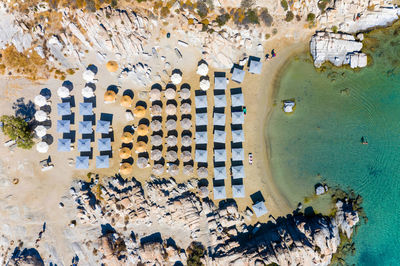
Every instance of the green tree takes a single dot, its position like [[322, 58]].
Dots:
[[195, 252], [18, 129], [289, 16], [310, 17], [284, 4]]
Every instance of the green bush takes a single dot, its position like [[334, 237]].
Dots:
[[251, 17], [335, 29], [222, 19], [289, 16], [18, 129], [266, 17], [195, 252], [322, 4], [202, 9], [284, 4], [310, 17]]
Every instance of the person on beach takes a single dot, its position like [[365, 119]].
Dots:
[[273, 53], [266, 57]]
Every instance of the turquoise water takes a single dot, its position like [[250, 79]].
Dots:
[[321, 142]]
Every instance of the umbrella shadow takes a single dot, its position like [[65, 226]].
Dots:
[[142, 104], [91, 100], [113, 88], [107, 117], [177, 71], [170, 86], [156, 86], [46, 108], [257, 197], [219, 74], [173, 102], [129, 129], [145, 139], [87, 153], [90, 136], [108, 153], [48, 139], [70, 100], [185, 86], [71, 135], [91, 85], [46, 93], [128, 160], [70, 117], [129, 93], [93, 68], [25, 110], [68, 84]]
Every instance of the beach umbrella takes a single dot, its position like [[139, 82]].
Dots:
[[176, 78], [202, 172], [204, 192], [219, 193], [186, 141], [87, 92], [40, 131], [186, 156], [40, 100], [126, 101], [103, 126], [63, 92], [171, 156], [109, 96], [140, 146], [85, 127], [155, 110], [42, 147], [200, 101], [158, 169], [63, 109], [201, 137], [104, 144], [112, 66], [170, 93], [170, 124], [170, 109], [142, 130], [186, 108], [139, 111], [172, 141], [188, 170], [201, 119], [127, 137], [173, 169], [200, 155], [85, 108], [155, 125], [84, 145], [237, 100], [186, 124], [156, 140], [125, 169], [142, 162], [260, 209], [63, 126], [238, 191], [155, 95], [204, 84], [155, 155], [102, 161], [64, 145], [125, 153], [88, 75], [40, 116], [202, 69], [184, 93], [82, 162]]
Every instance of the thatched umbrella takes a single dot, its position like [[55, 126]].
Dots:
[[186, 124], [87, 92], [142, 130], [202, 69], [170, 93], [155, 110], [155, 125], [202, 172], [184, 93], [112, 66], [186, 108], [142, 162], [139, 111], [140, 146], [156, 140], [125, 169], [155, 95], [127, 137], [42, 147], [186, 156], [170, 109], [155, 155], [171, 156], [172, 141], [126, 101], [188, 170], [204, 84], [40, 116], [109, 96], [158, 169], [176, 78], [186, 141], [170, 124], [173, 169], [63, 92], [40, 131], [125, 153], [40, 100], [204, 192]]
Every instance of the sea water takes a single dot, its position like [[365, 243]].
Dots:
[[321, 141]]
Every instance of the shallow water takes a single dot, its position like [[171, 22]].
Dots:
[[321, 141]]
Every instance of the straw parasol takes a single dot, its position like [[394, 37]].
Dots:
[[155, 95], [126, 101], [125, 153], [63, 92], [42, 147], [142, 130], [142, 162], [176, 78], [186, 156], [87, 92], [170, 93], [40, 116], [170, 109], [125, 169], [202, 69], [127, 137], [170, 124], [171, 156], [202, 172], [112, 66], [41, 131], [204, 84], [156, 140], [109, 96], [204, 192], [186, 141], [172, 141], [155, 125], [140, 146], [173, 169], [188, 170], [158, 169], [155, 155], [88, 75], [186, 108], [186, 124], [139, 111], [155, 110], [40, 100], [184, 93]]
